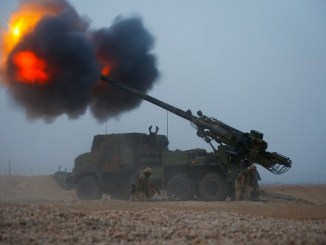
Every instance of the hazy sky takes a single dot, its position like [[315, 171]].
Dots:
[[251, 64]]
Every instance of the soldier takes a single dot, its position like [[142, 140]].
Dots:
[[144, 190], [253, 186], [246, 184], [240, 185]]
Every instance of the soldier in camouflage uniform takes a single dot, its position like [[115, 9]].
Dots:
[[144, 190], [246, 184], [253, 186], [240, 185]]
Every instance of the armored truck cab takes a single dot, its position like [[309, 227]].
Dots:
[[114, 162]]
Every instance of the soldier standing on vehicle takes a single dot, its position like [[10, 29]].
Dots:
[[144, 190]]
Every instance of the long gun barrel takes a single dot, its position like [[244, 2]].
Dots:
[[250, 146]]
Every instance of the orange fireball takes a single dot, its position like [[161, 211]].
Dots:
[[30, 68], [21, 23], [18, 27]]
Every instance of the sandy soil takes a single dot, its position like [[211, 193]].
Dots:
[[36, 210]]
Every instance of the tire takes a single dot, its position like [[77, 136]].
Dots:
[[180, 187], [213, 187], [88, 188]]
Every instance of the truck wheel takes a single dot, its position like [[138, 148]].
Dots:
[[180, 187], [213, 187], [88, 188]]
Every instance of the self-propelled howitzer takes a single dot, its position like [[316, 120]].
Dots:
[[249, 147]]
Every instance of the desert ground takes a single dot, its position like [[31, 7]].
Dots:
[[36, 210]]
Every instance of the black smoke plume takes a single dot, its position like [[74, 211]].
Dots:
[[75, 56], [125, 47]]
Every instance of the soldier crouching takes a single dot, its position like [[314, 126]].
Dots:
[[144, 190]]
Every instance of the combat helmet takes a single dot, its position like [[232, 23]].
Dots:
[[148, 170]]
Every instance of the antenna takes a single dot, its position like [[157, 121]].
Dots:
[[167, 124], [9, 165]]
